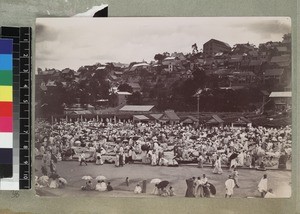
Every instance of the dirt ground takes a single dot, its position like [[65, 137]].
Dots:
[[278, 180]]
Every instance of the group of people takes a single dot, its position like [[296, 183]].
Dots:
[[262, 187], [199, 187], [162, 144], [101, 186]]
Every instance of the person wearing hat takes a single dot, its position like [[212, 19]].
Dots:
[[82, 159]]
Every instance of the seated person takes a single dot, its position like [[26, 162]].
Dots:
[[88, 186], [137, 189], [101, 186], [109, 187]]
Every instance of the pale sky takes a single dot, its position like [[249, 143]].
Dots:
[[73, 42]]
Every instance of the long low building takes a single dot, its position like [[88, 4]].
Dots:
[[282, 99]]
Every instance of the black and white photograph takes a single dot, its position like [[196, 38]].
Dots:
[[197, 107]]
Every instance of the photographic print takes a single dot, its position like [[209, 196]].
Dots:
[[195, 107]]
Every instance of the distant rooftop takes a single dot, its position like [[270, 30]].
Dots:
[[281, 94], [123, 93], [137, 108]]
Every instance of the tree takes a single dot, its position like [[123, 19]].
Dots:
[[195, 49], [159, 57], [125, 87]]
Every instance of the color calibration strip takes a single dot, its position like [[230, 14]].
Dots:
[[21, 178], [6, 108]]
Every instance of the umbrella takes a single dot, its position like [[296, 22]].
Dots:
[[194, 137], [212, 189], [100, 178], [155, 181], [136, 137], [195, 153], [62, 180], [234, 155], [162, 184], [77, 143], [87, 177], [145, 147]]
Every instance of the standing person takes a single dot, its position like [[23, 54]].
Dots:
[[218, 168], [117, 160], [263, 186], [200, 161], [233, 164], [121, 156], [203, 186], [195, 183], [189, 190], [235, 175], [248, 160], [198, 189], [229, 184], [127, 181], [82, 159], [52, 167], [154, 157], [130, 155], [121, 163]]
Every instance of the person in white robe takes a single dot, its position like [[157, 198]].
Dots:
[[99, 160], [54, 184], [155, 190], [229, 184], [137, 189], [218, 168], [241, 158], [263, 185], [101, 186], [154, 159]]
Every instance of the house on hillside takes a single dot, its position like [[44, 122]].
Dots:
[[180, 56], [169, 63], [282, 99], [138, 66], [255, 66], [273, 75], [215, 120], [281, 61], [235, 60], [243, 48], [135, 86], [67, 73], [122, 97], [214, 46]]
